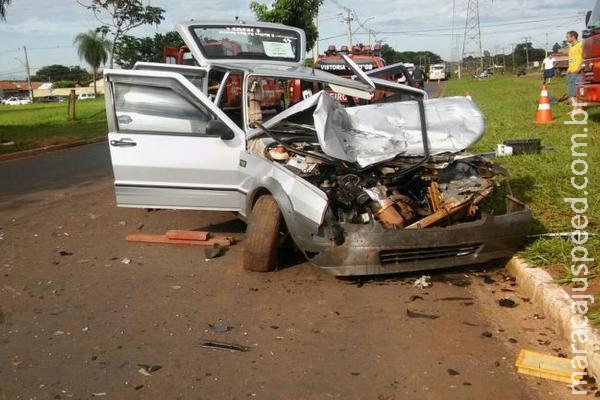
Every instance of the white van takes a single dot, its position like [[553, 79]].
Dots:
[[86, 96]]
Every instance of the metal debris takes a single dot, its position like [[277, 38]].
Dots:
[[414, 314], [221, 328], [126, 261], [506, 302], [423, 282], [212, 344], [147, 370], [456, 299], [213, 252]]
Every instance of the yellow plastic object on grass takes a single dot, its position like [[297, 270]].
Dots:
[[545, 366]]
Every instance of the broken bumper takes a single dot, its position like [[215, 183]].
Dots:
[[374, 250]]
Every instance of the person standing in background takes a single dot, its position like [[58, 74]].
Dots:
[[548, 67], [574, 76]]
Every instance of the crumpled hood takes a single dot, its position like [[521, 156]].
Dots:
[[374, 133]]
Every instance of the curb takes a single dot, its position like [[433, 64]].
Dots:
[[47, 149], [556, 305]]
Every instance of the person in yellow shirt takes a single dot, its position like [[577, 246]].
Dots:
[[574, 73]]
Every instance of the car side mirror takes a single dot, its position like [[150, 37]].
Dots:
[[219, 128], [588, 16]]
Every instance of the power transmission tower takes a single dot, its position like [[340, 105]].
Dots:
[[348, 20], [472, 37]]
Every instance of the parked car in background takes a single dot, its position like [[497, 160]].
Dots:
[[52, 99], [15, 101], [86, 96]]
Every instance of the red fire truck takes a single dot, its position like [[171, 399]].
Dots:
[[273, 96], [589, 91]]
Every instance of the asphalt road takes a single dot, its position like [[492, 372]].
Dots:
[[85, 314], [55, 170]]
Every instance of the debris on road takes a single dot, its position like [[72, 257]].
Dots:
[[423, 282], [147, 370], [221, 328], [187, 235], [212, 344], [414, 314], [183, 237], [453, 372], [456, 299], [213, 252], [506, 302], [65, 253], [486, 334], [548, 367], [415, 297], [126, 261]]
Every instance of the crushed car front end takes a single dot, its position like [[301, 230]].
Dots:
[[373, 249], [402, 194]]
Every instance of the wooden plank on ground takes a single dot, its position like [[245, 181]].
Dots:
[[144, 238], [187, 235]]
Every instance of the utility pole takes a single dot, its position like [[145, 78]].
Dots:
[[28, 74], [316, 48], [513, 56], [526, 40]]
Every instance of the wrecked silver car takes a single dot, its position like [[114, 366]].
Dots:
[[376, 184]]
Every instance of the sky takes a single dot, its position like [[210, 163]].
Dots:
[[47, 27]]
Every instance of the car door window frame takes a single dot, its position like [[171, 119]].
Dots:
[[169, 84]]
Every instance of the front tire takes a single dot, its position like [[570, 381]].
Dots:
[[260, 252]]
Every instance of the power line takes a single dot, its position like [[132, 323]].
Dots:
[[435, 32]]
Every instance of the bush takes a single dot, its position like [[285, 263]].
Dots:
[[63, 84]]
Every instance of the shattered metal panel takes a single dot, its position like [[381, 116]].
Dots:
[[379, 132]]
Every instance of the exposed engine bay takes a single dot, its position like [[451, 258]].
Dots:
[[405, 192]]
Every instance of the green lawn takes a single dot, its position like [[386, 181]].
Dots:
[[41, 124], [540, 180]]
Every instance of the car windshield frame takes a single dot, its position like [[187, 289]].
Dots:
[[248, 42]]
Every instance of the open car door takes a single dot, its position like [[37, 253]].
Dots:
[[170, 146]]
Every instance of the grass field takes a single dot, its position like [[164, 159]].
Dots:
[[37, 125], [540, 180]]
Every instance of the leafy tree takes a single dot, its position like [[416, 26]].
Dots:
[[131, 49], [57, 72], [297, 13], [392, 56], [93, 48], [524, 50], [3, 5], [123, 16]]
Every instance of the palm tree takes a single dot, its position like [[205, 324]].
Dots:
[[3, 5], [93, 48]]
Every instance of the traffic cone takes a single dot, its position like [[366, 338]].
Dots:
[[544, 113]]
